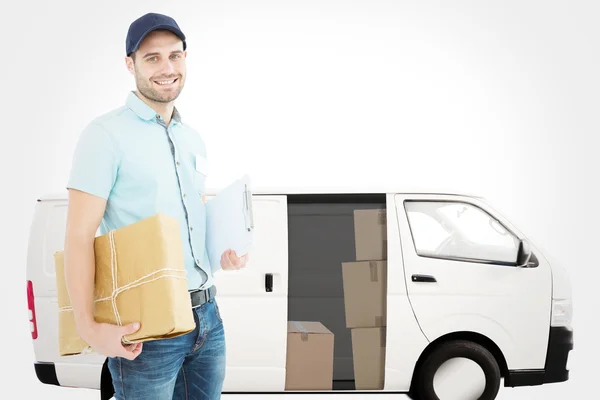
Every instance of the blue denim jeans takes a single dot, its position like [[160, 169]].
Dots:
[[188, 367]]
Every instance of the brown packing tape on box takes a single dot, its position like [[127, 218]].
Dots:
[[139, 277], [375, 278], [302, 330], [373, 271], [383, 221], [382, 217]]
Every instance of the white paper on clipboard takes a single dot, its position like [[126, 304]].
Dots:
[[229, 221]]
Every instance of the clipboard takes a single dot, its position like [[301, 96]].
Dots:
[[229, 221]]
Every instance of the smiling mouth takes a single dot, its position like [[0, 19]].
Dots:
[[166, 83]]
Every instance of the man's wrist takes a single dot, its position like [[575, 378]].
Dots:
[[85, 326]]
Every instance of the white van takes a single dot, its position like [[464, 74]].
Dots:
[[471, 303]]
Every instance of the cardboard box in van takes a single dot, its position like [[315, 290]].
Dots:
[[370, 234], [309, 358], [365, 288], [140, 277], [368, 352]]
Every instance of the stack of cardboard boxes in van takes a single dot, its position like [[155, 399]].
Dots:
[[310, 344], [365, 291]]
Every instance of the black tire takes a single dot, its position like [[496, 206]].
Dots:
[[423, 388]]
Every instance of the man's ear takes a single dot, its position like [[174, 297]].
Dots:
[[129, 65]]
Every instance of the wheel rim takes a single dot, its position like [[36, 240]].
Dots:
[[459, 379]]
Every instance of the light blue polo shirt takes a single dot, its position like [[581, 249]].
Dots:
[[129, 157]]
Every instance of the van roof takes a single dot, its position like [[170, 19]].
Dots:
[[291, 190]]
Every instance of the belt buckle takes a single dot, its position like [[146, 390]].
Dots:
[[192, 295], [205, 293]]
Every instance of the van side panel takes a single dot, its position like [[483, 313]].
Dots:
[[256, 357], [47, 236], [405, 342]]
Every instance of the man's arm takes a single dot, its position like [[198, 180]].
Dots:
[[93, 175], [84, 215]]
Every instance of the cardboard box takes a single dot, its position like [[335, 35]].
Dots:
[[368, 352], [140, 277], [309, 359], [365, 291], [370, 234]]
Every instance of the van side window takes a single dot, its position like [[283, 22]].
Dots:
[[428, 234], [459, 231]]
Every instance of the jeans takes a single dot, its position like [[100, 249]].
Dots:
[[187, 367]]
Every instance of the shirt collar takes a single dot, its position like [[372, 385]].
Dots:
[[176, 116], [144, 111]]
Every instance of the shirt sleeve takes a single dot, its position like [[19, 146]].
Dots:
[[95, 163]]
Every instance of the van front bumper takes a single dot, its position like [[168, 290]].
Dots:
[[46, 373], [560, 343]]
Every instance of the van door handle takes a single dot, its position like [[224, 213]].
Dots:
[[423, 278], [269, 282]]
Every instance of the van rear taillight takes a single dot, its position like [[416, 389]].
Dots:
[[31, 305]]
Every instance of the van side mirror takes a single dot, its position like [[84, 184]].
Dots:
[[525, 257]]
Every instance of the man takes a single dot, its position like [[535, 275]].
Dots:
[[129, 164]]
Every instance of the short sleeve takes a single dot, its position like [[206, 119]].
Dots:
[[95, 162]]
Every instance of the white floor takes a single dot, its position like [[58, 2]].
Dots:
[[561, 391]]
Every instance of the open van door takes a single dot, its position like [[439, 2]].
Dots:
[[464, 272], [253, 304]]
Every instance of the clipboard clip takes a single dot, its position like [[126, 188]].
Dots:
[[248, 211]]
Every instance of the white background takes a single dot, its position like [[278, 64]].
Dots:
[[496, 98]]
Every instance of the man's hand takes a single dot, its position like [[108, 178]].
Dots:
[[230, 260], [106, 340]]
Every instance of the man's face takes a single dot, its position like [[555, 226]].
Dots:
[[159, 67]]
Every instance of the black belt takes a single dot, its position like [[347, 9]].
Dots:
[[200, 297]]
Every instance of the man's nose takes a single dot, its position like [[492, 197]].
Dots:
[[168, 67]]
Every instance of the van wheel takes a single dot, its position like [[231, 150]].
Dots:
[[458, 370]]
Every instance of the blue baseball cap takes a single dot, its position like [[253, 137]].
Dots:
[[142, 26]]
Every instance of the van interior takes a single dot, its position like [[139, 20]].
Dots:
[[321, 238]]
